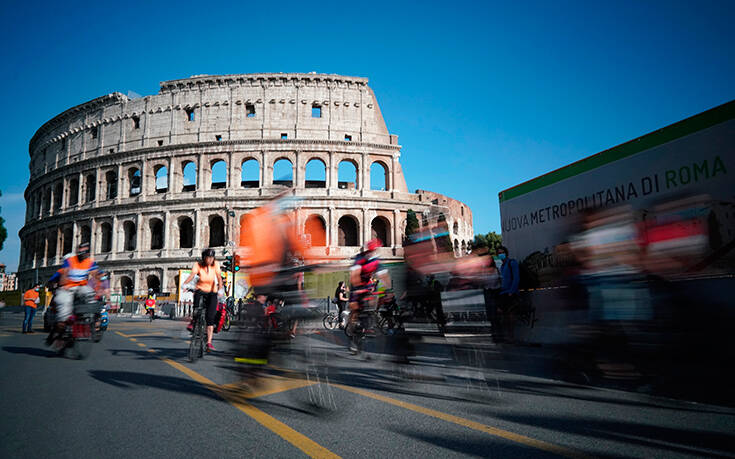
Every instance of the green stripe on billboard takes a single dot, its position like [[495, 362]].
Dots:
[[704, 120]]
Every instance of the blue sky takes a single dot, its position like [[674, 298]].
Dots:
[[482, 95]]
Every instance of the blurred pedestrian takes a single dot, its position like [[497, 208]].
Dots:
[[507, 297], [31, 298]]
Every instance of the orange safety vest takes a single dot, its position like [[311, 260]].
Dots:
[[30, 297], [78, 271]]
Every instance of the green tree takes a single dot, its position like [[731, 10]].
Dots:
[[491, 240], [412, 223], [3, 231]]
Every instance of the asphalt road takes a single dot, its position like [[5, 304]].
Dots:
[[138, 396]]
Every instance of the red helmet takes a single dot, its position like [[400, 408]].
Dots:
[[374, 244]]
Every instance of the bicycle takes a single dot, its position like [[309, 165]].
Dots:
[[150, 312], [331, 320], [198, 333]]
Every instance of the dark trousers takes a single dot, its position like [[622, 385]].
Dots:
[[28, 320]]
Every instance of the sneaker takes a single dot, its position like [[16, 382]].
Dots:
[[190, 327], [210, 348]]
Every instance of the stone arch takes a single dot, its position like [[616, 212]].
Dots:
[[216, 231], [464, 247], [90, 187], [315, 173], [380, 229], [316, 228], [250, 173], [47, 200], [346, 170], [379, 176], [130, 237], [105, 237], [127, 286], [110, 184], [153, 282], [348, 231], [58, 195], [456, 247], [219, 174], [51, 248], [85, 234], [189, 176], [155, 226], [135, 180], [161, 177], [186, 233], [283, 174], [67, 244], [73, 192]]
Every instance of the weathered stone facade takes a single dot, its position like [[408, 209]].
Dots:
[[118, 172]]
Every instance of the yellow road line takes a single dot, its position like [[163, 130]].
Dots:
[[153, 351], [299, 440], [133, 339], [514, 437], [141, 345], [266, 385], [142, 335]]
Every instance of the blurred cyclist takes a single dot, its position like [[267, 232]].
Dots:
[[75, 273], [365, 274], [209, 283], [150, 304]]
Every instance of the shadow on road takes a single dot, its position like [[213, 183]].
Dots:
[[34, 351], [692, 441], [133, 380], [479, 446]]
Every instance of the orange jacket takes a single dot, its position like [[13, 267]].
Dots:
[[30, 298]]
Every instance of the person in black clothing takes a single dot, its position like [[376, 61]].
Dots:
[[341, 297]]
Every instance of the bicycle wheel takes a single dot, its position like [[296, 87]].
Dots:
[[330, 321], [202, 335], [195, 343]]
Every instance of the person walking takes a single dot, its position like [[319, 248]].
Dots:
[[508, 295], [30, 300]]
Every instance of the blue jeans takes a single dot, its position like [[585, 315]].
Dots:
[[28, 320]]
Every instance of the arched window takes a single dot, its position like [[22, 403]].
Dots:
[[91, 188], [464, 247], [47, 200], [316, 174], [156, 229], [348, 232], [73, 191], [347, 175], [380, 229], [216, 231], [105, 238], [58, 195], [283, 173], [111, 183], [153, 282], [130, 236], [67, 242], [455, 228], [85, 234], [219, 175], [379, 179], [316, 231], [161, 179], [456, 247], [190, 176], [186, 233], [250, 175], [51, 247], [135, 182], [126, 285]]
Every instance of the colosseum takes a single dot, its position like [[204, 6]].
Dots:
[[150, 181]]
